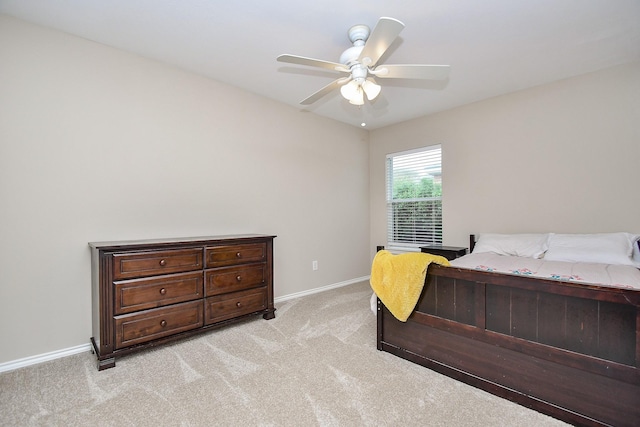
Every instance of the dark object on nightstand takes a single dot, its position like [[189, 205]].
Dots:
[[449, 252]]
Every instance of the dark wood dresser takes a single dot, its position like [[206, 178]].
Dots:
[[150, 292]]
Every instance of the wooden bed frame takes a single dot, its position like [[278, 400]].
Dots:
[[568, 350]]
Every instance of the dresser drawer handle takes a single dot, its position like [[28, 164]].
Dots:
[[238, 278], [163, 291], [163, 262], [163, 323], [238, 255], [238, 304]]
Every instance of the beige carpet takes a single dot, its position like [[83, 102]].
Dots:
[[315, 364]]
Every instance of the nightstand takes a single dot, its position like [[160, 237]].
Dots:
[[449, 252]]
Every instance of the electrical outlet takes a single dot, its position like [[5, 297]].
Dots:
[[314, 265]]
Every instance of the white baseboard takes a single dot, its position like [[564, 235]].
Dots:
[[34, 360], [321, 289]]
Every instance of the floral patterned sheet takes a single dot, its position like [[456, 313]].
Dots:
[[622, 276]]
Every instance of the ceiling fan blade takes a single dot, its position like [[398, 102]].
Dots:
[[384, 33], [325, 91], [301, 60], [412, 71]]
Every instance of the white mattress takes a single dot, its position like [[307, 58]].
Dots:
[[622, 276]]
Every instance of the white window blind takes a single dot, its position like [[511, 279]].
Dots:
[[414, 197]]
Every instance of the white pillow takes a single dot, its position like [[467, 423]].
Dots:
[[524, 245], [636, 250], [603, 248]]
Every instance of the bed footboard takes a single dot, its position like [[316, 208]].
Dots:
[[570, 351]]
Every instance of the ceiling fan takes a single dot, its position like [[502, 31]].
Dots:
[[360, 63]]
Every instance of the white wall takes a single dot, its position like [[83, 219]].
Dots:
[[563, 157], [97, 144]]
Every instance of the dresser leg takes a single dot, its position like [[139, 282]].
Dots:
[[271, 314], [106, 363]]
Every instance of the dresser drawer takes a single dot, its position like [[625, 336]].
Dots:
[[220, 256], [230, 279], [227, 306], [156, 323], [141, 294], [141, 264]]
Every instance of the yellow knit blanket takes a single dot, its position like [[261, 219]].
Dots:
[[398, 279]]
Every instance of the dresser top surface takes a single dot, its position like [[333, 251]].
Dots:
[[123, 244]]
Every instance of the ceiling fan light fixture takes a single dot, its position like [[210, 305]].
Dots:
[[358, 99], [371, 89], [355, 90], [351, 91]]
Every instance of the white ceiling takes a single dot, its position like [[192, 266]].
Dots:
[[493, 46]]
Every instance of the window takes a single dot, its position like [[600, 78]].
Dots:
[[414, 198]]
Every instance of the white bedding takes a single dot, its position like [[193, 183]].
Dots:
[[623, 276]]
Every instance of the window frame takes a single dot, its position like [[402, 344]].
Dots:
[[414, 237]]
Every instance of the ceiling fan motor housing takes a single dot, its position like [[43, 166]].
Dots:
[[358, 35], [359, 72]]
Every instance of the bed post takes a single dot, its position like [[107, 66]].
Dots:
[[379, 314]]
